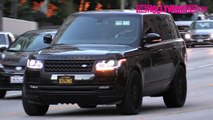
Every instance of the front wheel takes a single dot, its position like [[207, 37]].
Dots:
[[176, 95], [34, 109], [132, 101], [2, 93]]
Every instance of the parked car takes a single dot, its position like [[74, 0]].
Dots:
[[6, 38], [14, 59], [108, 57], [200, 33]]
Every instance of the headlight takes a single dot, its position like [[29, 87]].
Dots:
[[187, 36], [211, 36], [104, 65], [34, 64]]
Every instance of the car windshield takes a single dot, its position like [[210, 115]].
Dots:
[[202, 25], [3, 39], [28, 43], [183, 17], [99, 29]]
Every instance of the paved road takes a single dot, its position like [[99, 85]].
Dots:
[[199, 104]]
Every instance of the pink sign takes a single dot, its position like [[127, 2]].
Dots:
[[179, 9]]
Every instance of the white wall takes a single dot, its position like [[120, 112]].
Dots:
[[17, 26]]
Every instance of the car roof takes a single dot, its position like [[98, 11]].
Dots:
[[43, 31], [127, 12]]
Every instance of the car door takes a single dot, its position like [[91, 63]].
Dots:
[[161, 61]]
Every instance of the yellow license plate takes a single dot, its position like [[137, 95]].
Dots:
[[64, 80]]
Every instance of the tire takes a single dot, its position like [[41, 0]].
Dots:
[[176, 95], [132, 100], [87, 105], [2, 93], [34, 109]]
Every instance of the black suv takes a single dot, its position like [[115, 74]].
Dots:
[[108, 57]]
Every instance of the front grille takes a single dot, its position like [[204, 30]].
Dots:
[[68, 65], [200, 36]]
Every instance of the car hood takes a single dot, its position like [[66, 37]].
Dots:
[[85, 50], [14, 58], [183, 23], [201, 31]]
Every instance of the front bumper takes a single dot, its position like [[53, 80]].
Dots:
[[73, 94], [43, 88]]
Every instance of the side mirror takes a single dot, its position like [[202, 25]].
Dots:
[[152, 38], [47, 39], [2, 48]]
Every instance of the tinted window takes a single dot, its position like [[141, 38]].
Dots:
[[162, 25], [150, 24], [154, 24], [99, 29], [28, 42], [3, 40], [169, 27]]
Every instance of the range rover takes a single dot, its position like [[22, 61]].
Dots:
[[108, 57]]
